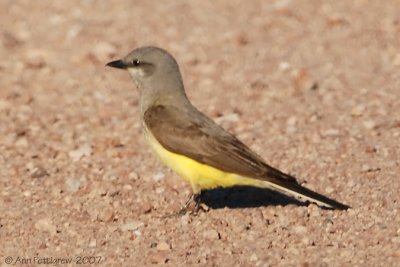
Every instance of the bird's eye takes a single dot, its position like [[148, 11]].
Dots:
[[136, 62]]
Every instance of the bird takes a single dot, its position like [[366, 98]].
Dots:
[[191, 143]]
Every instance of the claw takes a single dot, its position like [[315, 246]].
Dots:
[[196, 198], [193, 197]]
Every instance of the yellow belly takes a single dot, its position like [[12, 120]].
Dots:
[[200, 176]]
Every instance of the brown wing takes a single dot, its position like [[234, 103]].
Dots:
[[194, 135]]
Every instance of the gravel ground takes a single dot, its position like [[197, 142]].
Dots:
[[312, 87]]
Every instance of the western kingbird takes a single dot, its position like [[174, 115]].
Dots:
[[193, 145]]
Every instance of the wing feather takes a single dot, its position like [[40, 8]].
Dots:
[[199, 138]]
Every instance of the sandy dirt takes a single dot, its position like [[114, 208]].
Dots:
[[313, 88]]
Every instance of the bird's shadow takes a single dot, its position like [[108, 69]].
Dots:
[[246, 197]]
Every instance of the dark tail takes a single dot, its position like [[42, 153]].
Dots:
[[287, 184]]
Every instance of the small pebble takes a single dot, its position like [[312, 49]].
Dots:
[[93, 243], [39, 172], [131, 226], [300, 229], [253, 257], [357, 110], [45, 225], [329, 189], [158, 176], [133, 175], [83, 151], [22, 142], [27, 193], [5, 105], [106, 214], [365, 168], [233, 117], [36, 59], [331, 132], [369, 124], [211, 234], [162, 246], [72, 185], [127, 187]]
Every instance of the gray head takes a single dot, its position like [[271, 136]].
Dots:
[[155, 73]]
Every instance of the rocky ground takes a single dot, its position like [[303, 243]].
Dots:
[[312, 87]]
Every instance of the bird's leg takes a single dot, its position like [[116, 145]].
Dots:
[[193, 197], [197, 200], [184, 208]]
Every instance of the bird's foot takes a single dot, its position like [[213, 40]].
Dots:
[[196, 198]]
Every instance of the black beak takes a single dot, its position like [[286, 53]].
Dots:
[[119, 64]]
